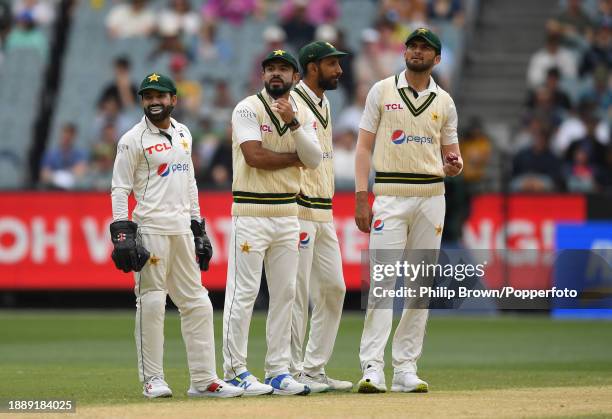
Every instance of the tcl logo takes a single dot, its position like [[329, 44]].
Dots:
[[266, 128], [165, 169], [393, 106], [158, 148]]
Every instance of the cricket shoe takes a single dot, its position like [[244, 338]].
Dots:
[[250, 384], [217, 388], [408, 382], [156, 387], [315, 386], [334, 385], [285, 385], [373, 381]]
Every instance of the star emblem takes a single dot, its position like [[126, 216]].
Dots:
[[153, 77], [154, 260], [245, 247], [434, 116], [438, 229], [330, 45], [279, 52], [422, 30], [185, 144]]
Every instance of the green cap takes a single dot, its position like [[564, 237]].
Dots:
[[316, 51], [157, 82], [281, 54], [428, 36]]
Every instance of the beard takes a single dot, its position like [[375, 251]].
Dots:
[[278, 91], [423, 67], [158, 116], [328, 84]]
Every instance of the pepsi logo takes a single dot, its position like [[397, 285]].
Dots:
[[163, 170], [398, 137], [304, 238], [378, 225]]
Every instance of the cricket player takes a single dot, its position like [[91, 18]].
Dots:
[[162, 242], [273, 136], [411, 123], [320, 267]]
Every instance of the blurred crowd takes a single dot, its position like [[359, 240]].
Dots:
[[187, 34]]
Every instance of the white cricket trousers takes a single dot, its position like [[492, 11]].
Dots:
[[320, 277], [410, 223], [172, 269], [272, 241]]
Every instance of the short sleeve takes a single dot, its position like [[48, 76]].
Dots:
[[245, 125]]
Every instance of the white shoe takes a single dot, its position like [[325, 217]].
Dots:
[[285, 385], [408, 382], [251, 385], [156, 387], [218, 389], [373, 381], [334, 385], [315, 386]]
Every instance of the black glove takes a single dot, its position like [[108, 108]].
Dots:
[[203, 248], [127, 255]]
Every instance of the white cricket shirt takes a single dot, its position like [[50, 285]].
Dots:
[[159, 170]]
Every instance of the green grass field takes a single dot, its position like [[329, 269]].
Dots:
[[90, 356]]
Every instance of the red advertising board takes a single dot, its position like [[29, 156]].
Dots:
[[61, 240]]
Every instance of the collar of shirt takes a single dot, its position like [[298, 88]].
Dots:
[[402, 83], [271, 100], [155, 129], [323, 103]]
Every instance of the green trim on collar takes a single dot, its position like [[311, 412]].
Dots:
[[313, 107], [414, 110], [281, 130]]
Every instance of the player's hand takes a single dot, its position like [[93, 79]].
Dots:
[[284, 109], [453, 165], [203, 247], [127, 255], [363, 212]]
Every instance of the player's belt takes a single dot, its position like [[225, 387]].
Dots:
[[410, 178], [263, 198], [315, 203]]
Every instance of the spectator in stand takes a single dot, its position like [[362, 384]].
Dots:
[[574, 25], [604, 14], [317, 12], [274, 38], [206, 141], [189, 91], [556, 97], [350, 116], [103, 153], [218, 175], [64, 166], [599, 53], [552, 55], [109, 113], [133, 18], [122, 89], [344, 158], [411, 14], [536, 168], [580, 175], [232, 11], [43, 11], [297, 27], [445, 11], [209, 47], [476, 152], [588, 144], [27, 36], [575, 127], [600, 92], [178, 18], [6, 20], [378, 58]]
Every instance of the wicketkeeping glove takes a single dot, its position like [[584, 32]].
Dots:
[[127, 255], [203, 248]]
